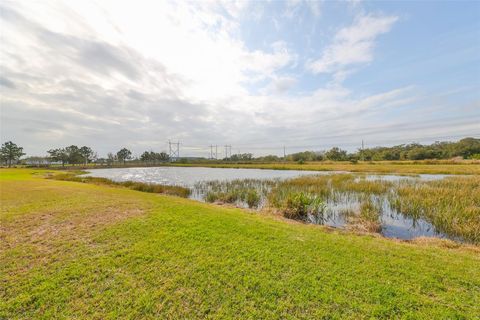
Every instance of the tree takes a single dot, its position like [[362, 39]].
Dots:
[[74, 155], [150, 156], [58, 155], [162, 156], [415, 151], [111, 158], [87, 154], [305, 156], [10, 152], [336, 154], [124, 154], [269, 158], [146, 156], [241, 157], [468, 147]]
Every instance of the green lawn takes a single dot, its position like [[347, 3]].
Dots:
[[74, 250]]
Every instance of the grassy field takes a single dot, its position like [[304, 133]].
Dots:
[[76, 250], [401, 167]]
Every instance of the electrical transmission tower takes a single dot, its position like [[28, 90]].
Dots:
[[174, 150], [211, 152], [214, 154], [228, 148]]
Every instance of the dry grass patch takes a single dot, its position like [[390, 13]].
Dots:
[[39, 217]]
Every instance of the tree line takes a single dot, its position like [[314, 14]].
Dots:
[[10, 154], [84, 155], [467, 148]]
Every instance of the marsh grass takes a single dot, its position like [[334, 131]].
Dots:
[[243, 192], [299, 205], [139, 186], [370, 215], [451, 205], [329, 188]]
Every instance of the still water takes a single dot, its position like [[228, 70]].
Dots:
[[189, 176], [394, 223]]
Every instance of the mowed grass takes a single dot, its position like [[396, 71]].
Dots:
[[400, 167], [75, 250]]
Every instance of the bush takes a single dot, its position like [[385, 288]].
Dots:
[[299, 204], [252, 199], [211, 197], [370, 216]]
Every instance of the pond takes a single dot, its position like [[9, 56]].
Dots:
[[338, 207], [189, 176]]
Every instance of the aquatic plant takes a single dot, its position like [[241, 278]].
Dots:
[[452, 204], [139, 186], [298, 205], [252, 198], [247, 192], [370, 216]]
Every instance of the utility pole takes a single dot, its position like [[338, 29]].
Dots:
[[284, 154], [363, 155], [216, 152]]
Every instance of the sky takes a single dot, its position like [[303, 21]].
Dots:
[[258, 76]]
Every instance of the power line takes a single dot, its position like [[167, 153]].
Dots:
[[174, 147]]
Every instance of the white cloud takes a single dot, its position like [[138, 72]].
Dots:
[[314, 6], [352, 45], [280, 85], [113, 74], [295, 7]]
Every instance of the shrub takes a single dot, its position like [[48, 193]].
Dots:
[[370, 216], [299, 204], [252, 198], [211, 196]]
